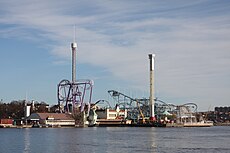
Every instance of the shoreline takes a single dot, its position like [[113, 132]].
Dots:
[[30, 126], [221, 124]]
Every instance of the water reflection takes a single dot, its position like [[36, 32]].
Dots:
[[153, 140], [132, 140], [90, 140], [27, 140], [115, 140]]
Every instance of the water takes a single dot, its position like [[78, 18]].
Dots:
[[115, 140]]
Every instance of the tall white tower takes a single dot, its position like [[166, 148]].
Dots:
[[74, 50], [74, 80], [152, 97]]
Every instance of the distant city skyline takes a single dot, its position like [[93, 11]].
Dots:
[[189, 38]]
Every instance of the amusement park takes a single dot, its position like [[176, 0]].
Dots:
[[75, 98], [75, 107]]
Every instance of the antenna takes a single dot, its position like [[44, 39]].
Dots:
[[74, 34], [26, 98]]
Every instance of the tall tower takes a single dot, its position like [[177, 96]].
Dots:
[[74, 50], [152, 97], [74, 81]]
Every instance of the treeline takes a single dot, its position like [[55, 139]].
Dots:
[[16, 109]]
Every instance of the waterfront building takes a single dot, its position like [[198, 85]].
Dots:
[[107, 113], [51, 119], [6, 122]]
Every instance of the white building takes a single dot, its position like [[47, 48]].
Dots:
[[111, 113]]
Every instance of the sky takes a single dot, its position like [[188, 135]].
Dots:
[[191, 40]]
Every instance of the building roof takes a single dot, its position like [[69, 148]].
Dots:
[[55, 116]]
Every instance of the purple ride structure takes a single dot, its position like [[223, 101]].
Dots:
[[74, 96]]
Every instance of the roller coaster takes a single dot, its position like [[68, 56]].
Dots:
[[74, 95], [139, 107]]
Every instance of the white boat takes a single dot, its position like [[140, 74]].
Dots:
[[199, 124]]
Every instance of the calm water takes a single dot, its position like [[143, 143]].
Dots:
[[115, 140]]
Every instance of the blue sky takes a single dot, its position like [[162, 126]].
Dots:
[[191, 40]]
